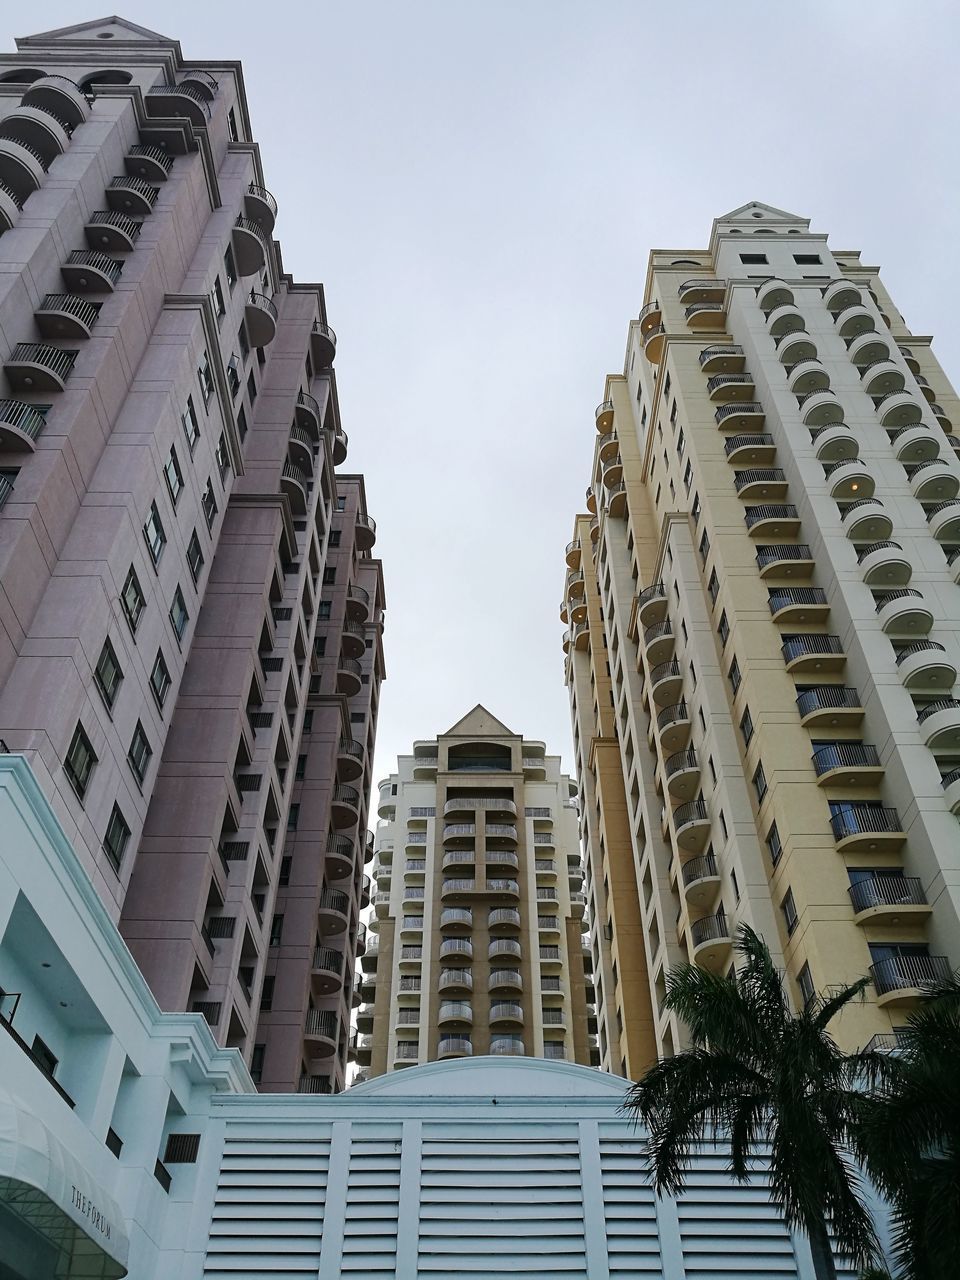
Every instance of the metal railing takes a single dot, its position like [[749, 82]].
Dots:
[[696, 307], [108, 218], [664, 670], [770, 511], [505, 978], [455, 978], [455, 1011], [504, 915], [252, 226], [756, 440], [680, 761], [504, 947], [335, 900], [880, 890], [159, 157], [261, 193], [16, 413], [456, 947], [328, 959], [906, 972], [885, 544], [783, 551], [450, 1046], [723, 411], [700, 869], [783, 597], [845, 755], [321, 1022], [58, 361], [507, 1046], [101, 262], [711, 353], [670, 715], [127, 182], [729, 379], [939, 704], [41, 160], [694, 811], [825, 697], [262, 303], [918, 646], [346, 795], [710, 929], [758, 475], [864, 819], [181, 90], [456, 915], [801, 646], [883, 598]]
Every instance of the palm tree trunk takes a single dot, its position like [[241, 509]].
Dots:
[[824, 1267]]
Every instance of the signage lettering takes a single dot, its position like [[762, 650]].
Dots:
[[87, 1209]]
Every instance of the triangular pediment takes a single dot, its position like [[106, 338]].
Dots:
[[480, 723], [755, 211], [105, 30]]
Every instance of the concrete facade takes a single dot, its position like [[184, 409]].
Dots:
[[190, 619], [768, 572], [479, 907]]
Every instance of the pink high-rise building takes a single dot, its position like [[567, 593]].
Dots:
[[190, 617]]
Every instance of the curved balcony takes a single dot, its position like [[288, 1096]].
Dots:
[[323, 344], [564, 611], [457, 950], [652, 604], [866, 521], [785, 560], [834, 443], [951, 790], [590, 499], [20, 425], [574, 583], [723, 388], [179, 99], [848, 764], [454, 1047], [798, 604], [813, 653], [472, 803], [358, 603], [572, 554], [819, 408], [349, 676], [302, 443], [867, 828], [658, 642], [772, 294], [456, 919], [840, 294], [339, 445], [915, 444], [884, 564], [501, 947], [934, 481], [653, 342], [455, 980], [320, 1032], [666, 682], [507, 1047], [10, 208], [66, 315], [86, 271], [581, 635], [153, 164], [766, 483], [59, 96], [785, 319], [849, 481], [793, 346], [111, 232], [939, 723], [682, 770], [705, 315], [701, 881], [722, 358], [345, 806], [501, 889], [362, 940], [308, 415], [127, 196], [829, 706], [673, 726], [711, 940], [326, 970], [906, 979], [295, 483], [744, 415], [612, 472], [365, 530], [351, 759], [31, 367], [505, 980], [898, 409], [260, 205], [341, 856], [594, 529], [504, 920], [353, 639], [506, 1014], [333, 911], [702, 289], [941, 416], [925, 668], [249, 241], [455, 1013], [882, 376], [458, 888], [943, 520], [499, 831], [772, 520], [261, 317], [38, 130], [457, 831], [757, 449], [603, 415], [21, 170], [853, 321], [903, 612]]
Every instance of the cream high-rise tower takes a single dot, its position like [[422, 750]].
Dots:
[[479, 906], [765, 637]]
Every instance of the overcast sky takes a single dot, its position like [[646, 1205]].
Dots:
[[478, 186]]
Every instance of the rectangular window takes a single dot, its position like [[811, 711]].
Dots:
[[789, 909], [713, 586], [753, 259], [206, 378], [209, 503], [174, 475], [242, 342], [79, 761], [44, 1057], [805, 983], [131, 599], [194, 556], [673, 418], [734, 675], [704, 547], [252, 388], [341, 504], [218, 303], [108, 674], [301, 769], [232, 125], [256, 1060], [736, 884], [320, 646], [223, 456], [695, 508], [242, 424], [329, 576], [230, 266], [746, 726], [666, 386], [334, 537], [153, 533], [773, 844], [266, 992], [178, 614], [293, 817], [688, 475], [807, 259], [233, 374], [276, 930], [191, 424], [139, 754], [308, 720], [160, 679], [357, 717], [759, 783], [323, 610], [115, 841], [723, 626]]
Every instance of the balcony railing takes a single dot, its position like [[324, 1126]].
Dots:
[[680, 761], [16, 413], [887, 891], [157, 155], [864, 819], [905, 972], [783, 597], [758, 475], [826, 697], [335, 900], [746, 406], [783, 551], [59, 362], [709, 929], [656, 591], [712, 353], [802, 646], [695, 811], [770, 511], [939, 704], [101, 262], [321, 1022], [328, 959], [883, 598], [347, 795], [507, 1046], [919, 646], [670, 715], [261, 193], [845, 755], [663, 670], [700, 869]]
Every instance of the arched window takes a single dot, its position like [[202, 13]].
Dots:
[[22, 75], [108, 76], [685, 262]]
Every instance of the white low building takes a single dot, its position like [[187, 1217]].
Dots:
[[131, 1145]]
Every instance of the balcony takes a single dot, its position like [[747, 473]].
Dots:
[[798, 604], [722, 358], [848, 764], [658, 642], [867, 828], [772, 520], [652, 604], [572, 554], [504, 947], [785, 319], [701, 881], [711, 940], [758, 449], [702, 289], [866, 521], [112, 232], [458, 949], [152, 164], [454, 1047], [458, 832], [884, 564], [349, 676], [504, 920], [308, 414], [456, 919], [840, 294], [673, 726], [183, 100], [353, 639], [906, 979], [785, 561], [505, 980], [612, 472], [793, 346], [351, 759], [940, 414], [339, 446], [705, 315], [20, 425], [724, 388], [829, 706], [819, 408], [326, 970], [816, 653], [261, 206], [889, 899], [666, 682], [849, 481], [345, 806], [683, 774], [854, 320], [262, 319], [933, 481], [66, 315], [902, 612], [21, 170], [506, 1014], [691, 824], [249, 246], [320, 1032], [365, 530], [323, 344], [497, 831], [295, 483], [86, 271], [41, 131], [925, 668], [34, 368], [454, 1013], [333, 911], [603, 416], [457, 888], [455, 980], [915, 444], [939, 723], [806, 377], [868, 349], [773, 293], [898, 409], [745, 415], [835, 443], [59, 96], [943, 520], [950, 782], [11, 206], [881, 376], [507, 1046], [341, 856], [766, 483]]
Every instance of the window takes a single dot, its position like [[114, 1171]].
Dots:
[[753, 258], [191, 425], [695, 508], [789, 909], [341, 504], [807, 259], [218, 303], [178, 614], [194, 556], [734, 675], [773, 844], [704, 547], [209, 503], [357, 717], [139, 754], [230, 266], [276, 930], [805, 983], [666, 386], [233, 375], [232, 125], [713, 586], [329, 576], [242, 423], [293, 817], [174, 475], [79, 761], [223, 456], [723, 626], [746, 726], [335, 538], [688, 475], [301, 770], [154, 534], [115, 841], [43, 1056], [131, 599], [323, 610], [206, 378], [308, 720], [252, 387], [256, 1060], [736, 884], [723, 826], [242, 342], [673, 419], [108, 674], [160, 679], [759, 783], [266, 992]]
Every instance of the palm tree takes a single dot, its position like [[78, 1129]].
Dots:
[[910, 1136], [775, 1085]]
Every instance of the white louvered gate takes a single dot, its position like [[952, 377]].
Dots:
[[630, 1210], [373, 1198]]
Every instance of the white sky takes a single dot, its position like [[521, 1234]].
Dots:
[[478, 186]]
